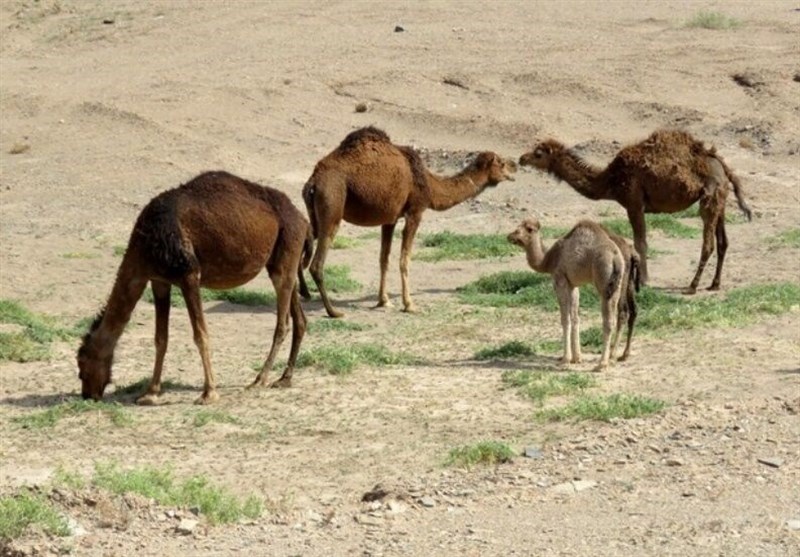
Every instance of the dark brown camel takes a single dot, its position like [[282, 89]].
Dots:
[[217, 231], [368, 181], [667, 172]]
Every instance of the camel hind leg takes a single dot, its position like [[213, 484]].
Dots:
[[161, 300], [298, 331], [710, 215], [564, 295], [630, 314], [575, 325], [387, 232], [722, 248], [190, 287], [409, 230]]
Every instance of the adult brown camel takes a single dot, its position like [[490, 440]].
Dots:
[[667, 172], [217, 231], [369, 181], [586, 254]]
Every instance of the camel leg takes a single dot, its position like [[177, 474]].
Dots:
[[387, 232], [191, 293], [722, 247], [317, 264], [301, 281], [631, 311], [161, 292], [609, 307], [298, 331], [639, 225], [622, 317], [564, 295], [409, 230], [284, 289], [709, 231], [575, 325]]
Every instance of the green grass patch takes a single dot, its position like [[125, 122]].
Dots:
[[215, 503], [51, 416], [603, 408], [20, 512], [786, 239], [507, 351], [449, 245], [205, 417], [37, 332], [484, 452], [337, 280], [712, 20], [343, 242], [342, 359], [239, 296], [79, 255], [138, 387], [518, 289], [68, 478], [119, 251], [326, 325], [539, 385], [670, 225]]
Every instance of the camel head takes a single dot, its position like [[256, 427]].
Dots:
[[525, 232], [542, 155], [94, 373], [494, 166]]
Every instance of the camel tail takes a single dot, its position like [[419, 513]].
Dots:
[[614, 280], [308, 198], [737, 189], [633, 274]]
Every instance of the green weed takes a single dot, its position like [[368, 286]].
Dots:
[[51, 416], [603, 408], [539, 385], [449, 245], [337, 280], [712, 20], [239, 296], [342, 359], [19, 512], [205, 417], [327, 325], [484, 452]]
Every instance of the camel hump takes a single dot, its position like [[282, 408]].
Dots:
[[417, 166], [355, 138], [158, 228]]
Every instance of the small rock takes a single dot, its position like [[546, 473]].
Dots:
[[533, 452], [377, 492], [314, 516], [367, 520], [195, 510], [74, 528], [563, 489], [108, 21], [773, 462], [793, 524], [186, 526], [797, 77], [362, 107], [399, 29], [396, 507], [581, 485], [427, 502], [674, 462], [170, 513]]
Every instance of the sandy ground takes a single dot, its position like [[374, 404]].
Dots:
[[114, 112]]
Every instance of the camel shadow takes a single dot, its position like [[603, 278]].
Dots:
[[39, 400], [529, 363], [795, 371]]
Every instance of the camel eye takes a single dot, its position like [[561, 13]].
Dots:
[[538, 153]]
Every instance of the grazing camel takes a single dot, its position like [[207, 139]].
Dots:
[[369, 181], [586, 254], [667, 172], [216, 231]]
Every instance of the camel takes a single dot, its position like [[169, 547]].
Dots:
[[667, 172], [216, 231], [586, 254], [369, 181]]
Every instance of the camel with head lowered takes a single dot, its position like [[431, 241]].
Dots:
[[217, 231], [667, 172], [369, 181], [586, 254]]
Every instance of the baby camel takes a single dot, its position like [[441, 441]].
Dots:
[[216, 231], [665, 173], [369, 181], [586, 254]]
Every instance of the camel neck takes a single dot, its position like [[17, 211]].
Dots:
[[447, 192], [537, 255], [584, 178]]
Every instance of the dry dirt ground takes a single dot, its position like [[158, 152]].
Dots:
[[114, 112]]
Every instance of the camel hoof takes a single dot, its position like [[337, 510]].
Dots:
[[147, 399], [622, 358], [384, 304], [713, 287], [207, 398], [564, 361], [282, 383], [335, 314], [257, 383], [411, 308], [576, 360], [600, 368], [690, 291]]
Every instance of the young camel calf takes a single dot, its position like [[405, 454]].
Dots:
[[587, 254]]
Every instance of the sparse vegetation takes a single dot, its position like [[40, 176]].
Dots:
[[216, 504], [517, 289], [337, 279], [327, 325], [449, 245], [343, 242], [205, 417], [603, 408], [51, 416], [239, 296], [786, 239], [139, 386], [19, 512], [484, 452], [712, 20], [538, 385], [32, 341], [667, 223], [509, 350], [119, 251], [79, 255], [342, 359]]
